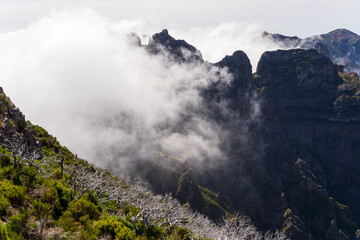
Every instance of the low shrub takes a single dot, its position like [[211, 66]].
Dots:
[[57, 196], [15, 194], [109, 226], [4, 203], [18, 222], [40, 210], [83, 207], [3, 232]]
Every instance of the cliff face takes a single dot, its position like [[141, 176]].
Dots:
[[298, 82], [297, 168], [312, 148]]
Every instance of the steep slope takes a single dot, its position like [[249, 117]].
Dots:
[[46, 192]]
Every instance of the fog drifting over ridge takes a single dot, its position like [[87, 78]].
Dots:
[[75, 73]]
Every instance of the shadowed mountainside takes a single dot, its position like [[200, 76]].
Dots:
[[297, 169]]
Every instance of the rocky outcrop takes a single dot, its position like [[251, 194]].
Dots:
[[178, 50], [12, 120], [348, 103], [235, 92], [298, 81]]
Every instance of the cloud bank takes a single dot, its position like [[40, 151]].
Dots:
[[223, 39], [77, 74]]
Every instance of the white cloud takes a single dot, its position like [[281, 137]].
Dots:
[[225, 38], [76, 74]]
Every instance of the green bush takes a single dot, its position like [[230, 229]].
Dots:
[[109, 226], [4, 160], [3, 232], [80, 211], [57, 196], [85, 234], [18, 222], [154, 232], [83, 207], [67, 222], [182, 233], [5, 172], [4, 203], [124, 233], [40, 210], [88, 231], [28, 177], [15, 194]]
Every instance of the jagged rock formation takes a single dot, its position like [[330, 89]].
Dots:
[[298, 168], [12, 121], [179, 50], [341, 46]]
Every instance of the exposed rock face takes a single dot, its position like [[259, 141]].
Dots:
[[297, 169], [348, 103], [237, 90], [179, 50], [298, 80], [13, 122], [312, 151]]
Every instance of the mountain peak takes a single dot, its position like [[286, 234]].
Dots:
[[342, 33], [180, 50], [164, 32]]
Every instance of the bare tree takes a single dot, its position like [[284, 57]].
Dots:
[[275, 236], [162, 210], [20, 152]]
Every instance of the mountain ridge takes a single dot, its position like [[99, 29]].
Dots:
[[341, 45], [298, 92]]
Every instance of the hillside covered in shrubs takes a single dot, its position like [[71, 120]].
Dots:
[[46, 192]]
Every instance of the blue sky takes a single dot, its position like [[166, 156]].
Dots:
[[302, 18]]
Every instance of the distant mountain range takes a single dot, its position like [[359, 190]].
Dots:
[[341, 46]]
